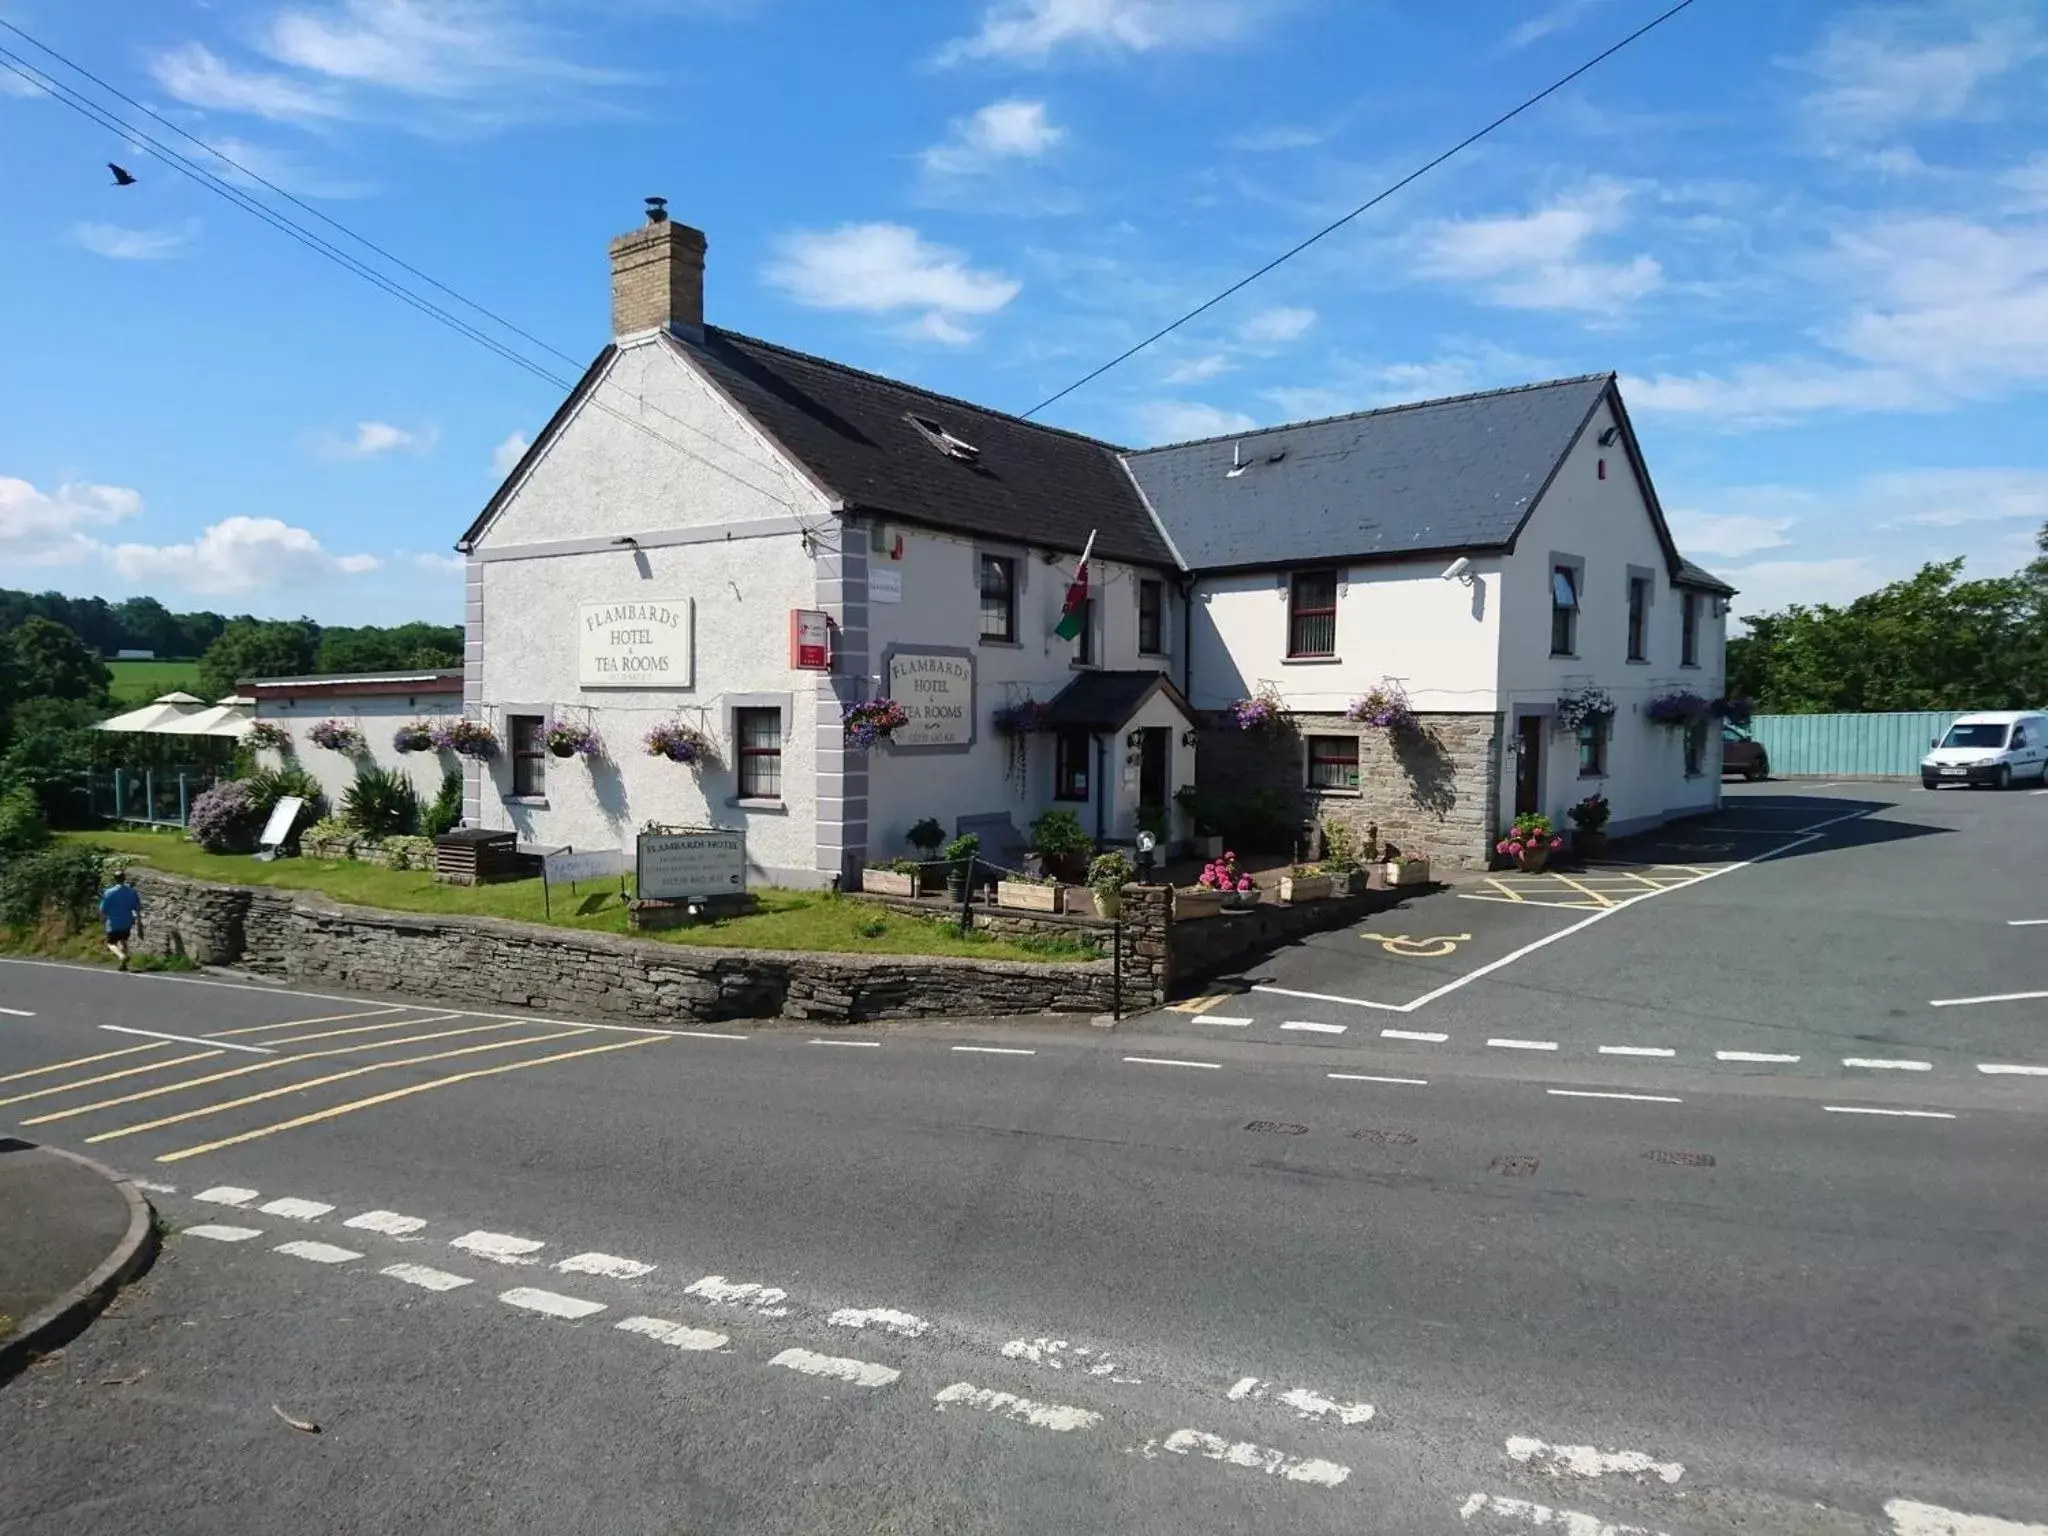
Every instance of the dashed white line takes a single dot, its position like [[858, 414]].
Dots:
[[719, 1291], [1365, 1077], [1306, 1404], [226, 1194], [421, 1275], [1965, 1002], [1057, 1354], [1911, 1519], [1636, 1050], [887, 1319], [1428, 1035], [1995, 1069], [869, 1045], [1906, 1114], [219, 1045], [858, 1373], [1589, 1461], [2028, 922], [221, 1234], [1523, 1045], [1885, 1064], [390, 1223], [151, 1187], [610, 1265], [1222, 1022], [1588, 1093], [1317, 1029], [993, 1050], [500, 1246], [1053, 1416], [1242, 1453], [675, 1335], [297, 1210], [550, 1303], [1771, 1056], [688, 1034], [319, 1253], [1527, 1512], [17, 1013], [1171, 1061]]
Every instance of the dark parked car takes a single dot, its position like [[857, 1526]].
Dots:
[[1742, 753]]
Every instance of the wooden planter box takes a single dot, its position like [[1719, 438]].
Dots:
[[1192, 905], [1295, 888], [1404, 872], [889, 882], [1030, 898], [473, 856]]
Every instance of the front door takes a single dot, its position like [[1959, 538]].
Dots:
[[1529, 765], [1152, 761]]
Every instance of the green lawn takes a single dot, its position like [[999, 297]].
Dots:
[[800, 920], [137, 682]]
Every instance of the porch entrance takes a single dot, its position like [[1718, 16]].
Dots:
[[1528, 765]]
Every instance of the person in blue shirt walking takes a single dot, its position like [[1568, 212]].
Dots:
[[121, 909]]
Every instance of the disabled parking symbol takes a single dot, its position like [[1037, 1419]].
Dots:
[[1434, 948]]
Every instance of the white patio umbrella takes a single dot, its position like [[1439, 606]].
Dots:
[[153, 715], [220, 720]]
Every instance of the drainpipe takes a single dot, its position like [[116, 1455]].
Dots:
[[1187, 639], [1101, 784]]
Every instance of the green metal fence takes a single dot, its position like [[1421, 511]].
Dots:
[[157, 797], [1865, 746]]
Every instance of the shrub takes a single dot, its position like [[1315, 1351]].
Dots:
[[221, 821], [441, 817], [331, 832], [381, 803], [1111, 872], [60, 883], [409, 852], [22, 827], [966, 846], [926, 836], [1057, 836]]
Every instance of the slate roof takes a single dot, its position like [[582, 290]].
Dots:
[[1028, 484], [1441, 475], [1690, 575], [1103, 701]]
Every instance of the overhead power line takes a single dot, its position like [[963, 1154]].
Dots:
[[1372, 202]]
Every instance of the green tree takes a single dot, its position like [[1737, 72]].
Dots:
[[371, 649], [50, 662], [258, 648]]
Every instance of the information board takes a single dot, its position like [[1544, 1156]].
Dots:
[[937, 693], [643, 643], [684, 866], [597, 864], [282, 815]]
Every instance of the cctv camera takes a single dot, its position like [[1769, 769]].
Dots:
[[1457, 569]]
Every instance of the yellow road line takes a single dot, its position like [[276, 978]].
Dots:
[[400, 1093], [1200, 1004], [359, 1029], [260, 1066], [325, 1018], [1648, 880], [320, 1082], [108, 1077], [1585, 890], [1505, 889], [84, 1061]]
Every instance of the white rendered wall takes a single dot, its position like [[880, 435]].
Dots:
[[377, 716]]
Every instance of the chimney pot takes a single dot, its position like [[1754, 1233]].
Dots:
[[658, 277], [657, 210]]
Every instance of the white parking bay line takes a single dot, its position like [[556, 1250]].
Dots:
[[1329, 997], [219, 1045], [319, 1253], [498, 1245], [1053, 1416], [1589, 1461], [1306, 1404], [1588, 1093], [221, 1234], [1887, 1064], [17, 1013], [1996, 1069], [297, 1210], [421, 1275], [1959, 1002], [1752, 1056], [226, 1194], [1911, 1519], [1361, 1077], [1523, 1045], [1527, 1512], [1222, 1023], [2011, 922], [675, 1335], [994, 1050], [1259, 1458], [390, 1223], [1430, 1036], [719, 1291], [869, 1045], [1636, 1050], [858, 1373], [550, 1304], [610, 1265], [1318, 1029], [1904, 1114], [1171, 1061], [904, 1325]]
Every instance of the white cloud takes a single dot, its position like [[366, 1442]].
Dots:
[[1275, 327], [506, 456], [119, 244], [2029, 183], [440, 564], [50, 528], [279, 167], [1777, 393], [885, 268], [12, 84], [235, 555], [1463, 367], [376, 437], [1771, 585], [1180, 421], [934, 326], [1199, 370], [1558, 18], [198, 77], [1539, 260], [1033, 31], [1885, 70], [1730, 535], [1001, 131]]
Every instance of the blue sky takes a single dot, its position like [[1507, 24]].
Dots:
[[1813, 239]]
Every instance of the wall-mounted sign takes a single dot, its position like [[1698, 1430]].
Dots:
[[642, 643], [937, 692], [885, 584], [688, 866], [810, 640]]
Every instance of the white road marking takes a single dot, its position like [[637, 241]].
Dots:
[[1911, 1519], [1222, 1023], [1363, 1077], [1588, 1093], [498, 1246], [1959, 1002], [1054, 1416], [297, 1210], [431, 1279], [2011, 922], [1329, 997], [390, 1223], [1523, 1045], [1429, 1035], [1991, 1069], [858, 1373], [222, 1234], [226, 1194], [719, 1291], [610, 1265], [1169, 1061], [993, 1050], [1636, 1050], [220, 1045], [680, 1034], [549, 1303], [871, 1045], [1588, 1461], [1752, 1056], [1884, 1064], [151, 1187], [675, 1335], [1320, 1029], [903, 1324], [319, 1253], [1570, 1522], [1908, 1114], [1306, 1404], [1055, 1354], [17, 1013], [1242, 1453]]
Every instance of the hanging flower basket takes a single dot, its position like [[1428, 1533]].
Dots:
[[871, 720], [1260, 712], [1734, 711], [338, 736], [1677, 709], [680, 743], [575, 741], [466, 738], [1020, 718], [1579, 705], [1385, 706], [416, 737], [268, 733]]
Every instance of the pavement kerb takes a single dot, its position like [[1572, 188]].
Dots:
[[66, 1317]]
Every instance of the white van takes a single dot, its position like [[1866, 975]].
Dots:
[[1992, 746]]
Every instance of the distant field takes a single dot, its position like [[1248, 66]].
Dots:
[[137, 682]]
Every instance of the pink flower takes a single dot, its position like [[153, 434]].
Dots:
[[1557, 842], [1514, 847], [1244, 882]]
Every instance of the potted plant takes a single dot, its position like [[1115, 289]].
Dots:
[[1340, 857], [868, 721], [893, 877], [679, 743], [925, 837], [1530, 842], [1227, 878], [1589, 818], [415, 736], [1031, 893], [1061, 843], [960, 855], [270, 734], [1201, 820], [1107, 876], [1398, 869], [566, 740], [338, 736], [1304, 882], [466, 738]]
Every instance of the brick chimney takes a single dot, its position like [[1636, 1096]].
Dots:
[[658, 276]]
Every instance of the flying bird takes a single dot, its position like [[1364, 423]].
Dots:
[[121, 178]]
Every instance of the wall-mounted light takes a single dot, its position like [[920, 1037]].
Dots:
[[1610, 437], [1187, 737]]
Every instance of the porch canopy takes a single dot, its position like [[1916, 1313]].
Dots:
[[1105, 701]]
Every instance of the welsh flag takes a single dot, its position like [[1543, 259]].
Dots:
[[1075, 608]]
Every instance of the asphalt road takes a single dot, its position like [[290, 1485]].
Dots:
[[1673, 1293]]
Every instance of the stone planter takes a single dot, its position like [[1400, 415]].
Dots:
[[1240, 901], [1026, 897], [889, 882], [1590, 842], [1530, 861], [1107, 903], [1295, 888], [1344, 881], [1192, 903], [1400, 872]]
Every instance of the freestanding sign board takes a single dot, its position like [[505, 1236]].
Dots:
[[690, 865], [279, 827]]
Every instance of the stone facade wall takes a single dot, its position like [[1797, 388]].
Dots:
[[1431, 790]]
